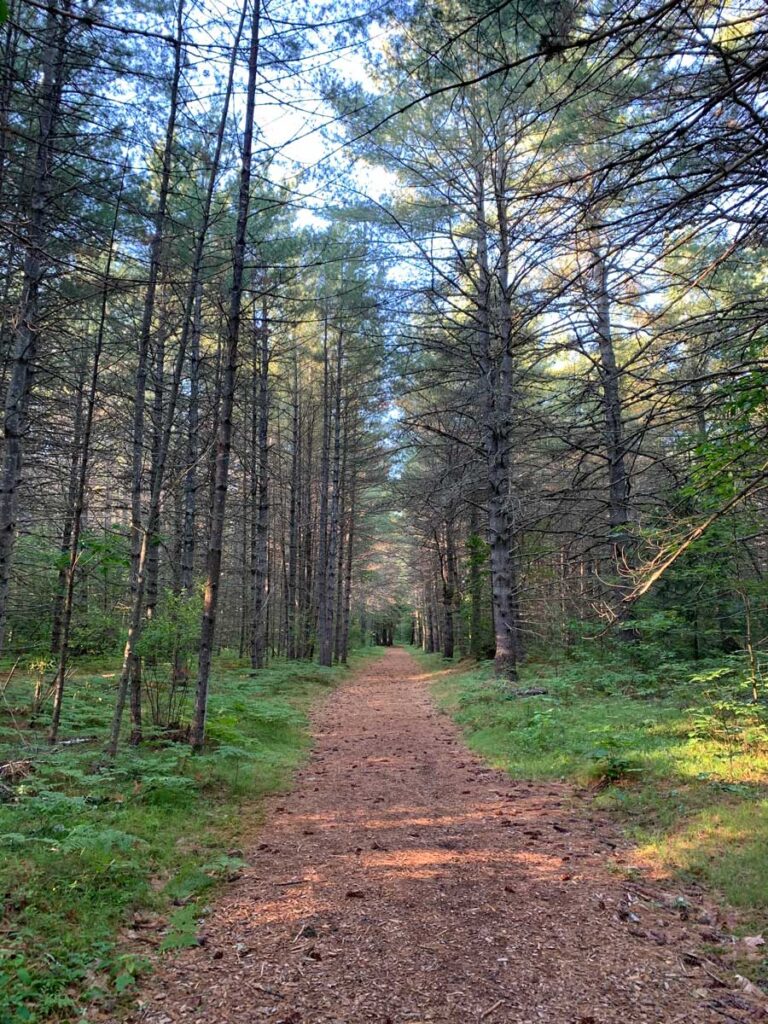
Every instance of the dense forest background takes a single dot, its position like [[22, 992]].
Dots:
[[509, 394], [436, 323]]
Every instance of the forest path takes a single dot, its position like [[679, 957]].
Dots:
[[403, 881]]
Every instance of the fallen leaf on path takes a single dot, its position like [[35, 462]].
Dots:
[[750, 989]]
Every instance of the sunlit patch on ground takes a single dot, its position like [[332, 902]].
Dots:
[[377, 893]]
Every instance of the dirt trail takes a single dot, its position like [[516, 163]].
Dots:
[[402, 881]]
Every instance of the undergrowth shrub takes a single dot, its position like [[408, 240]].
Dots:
[[86, 842], [677, 748]]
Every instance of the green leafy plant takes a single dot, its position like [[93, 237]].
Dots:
[[611, 766], [87, 843]]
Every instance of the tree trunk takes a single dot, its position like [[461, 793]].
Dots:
[[24, 340], [78, 505], [158, 387], [187, 554], [291, 604], [475, 588], [12, 34], [307, 575], [224, 440], [445, 554], [326, 630], [342, 548], [131, 671], [310, 567], [188, 328], [66, 532], [347, 603], [496, 439], [260, 493], [618, 477], [431, 636], [323, 565]]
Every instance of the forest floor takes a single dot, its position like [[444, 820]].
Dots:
[[404, 881], [101, 860]]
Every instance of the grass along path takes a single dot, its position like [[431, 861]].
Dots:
[[97, 859], [676, 753], [402, 880]]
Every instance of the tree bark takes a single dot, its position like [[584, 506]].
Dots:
[[187, 554], [293, 517], [260, 493], [475, 589], [66, 532], [497, 385], [344, 526], [25, 333], [188, 328], [323, 565], [347, 602], [446, 557], [229, 372], [327, 617], [131, 671], [306, 518], [610, 380], [84, 448]]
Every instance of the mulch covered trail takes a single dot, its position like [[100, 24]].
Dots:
[[402, 881]]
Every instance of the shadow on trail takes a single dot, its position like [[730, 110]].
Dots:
[[403, 881]]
